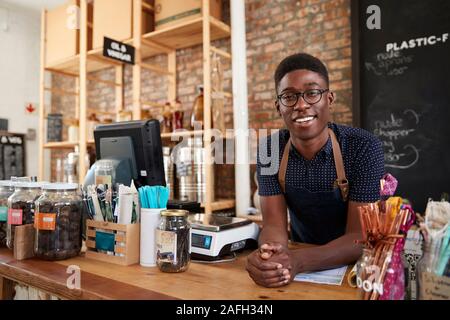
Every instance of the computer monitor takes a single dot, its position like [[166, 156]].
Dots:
[[136, 147]]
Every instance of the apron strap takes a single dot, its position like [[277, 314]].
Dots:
[[341, 180], [283, 166]]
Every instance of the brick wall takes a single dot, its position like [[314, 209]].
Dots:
[[275, 29]]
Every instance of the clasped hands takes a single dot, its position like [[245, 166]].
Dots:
[[272, 265]]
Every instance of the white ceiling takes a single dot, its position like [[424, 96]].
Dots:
[[35, 5]]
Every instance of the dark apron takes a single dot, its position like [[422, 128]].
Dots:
[[316, 217]]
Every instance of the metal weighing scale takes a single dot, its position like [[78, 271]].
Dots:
[[218, 236]]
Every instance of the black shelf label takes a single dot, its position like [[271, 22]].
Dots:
[[118, 51]]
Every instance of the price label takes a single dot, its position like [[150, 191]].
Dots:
[[15, 216], [45, 221]]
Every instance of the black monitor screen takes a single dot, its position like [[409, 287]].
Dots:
[[140, 142]]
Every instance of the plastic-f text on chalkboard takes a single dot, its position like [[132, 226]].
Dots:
[[418, 42]]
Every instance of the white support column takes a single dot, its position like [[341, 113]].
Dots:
[[42, 131], [240, 106], [207, 107], [137, 42]]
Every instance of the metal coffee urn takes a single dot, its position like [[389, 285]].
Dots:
[[191, 171]]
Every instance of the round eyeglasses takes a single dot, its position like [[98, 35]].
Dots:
[[290, 99]]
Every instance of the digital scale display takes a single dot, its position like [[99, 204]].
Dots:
[[201, 241]]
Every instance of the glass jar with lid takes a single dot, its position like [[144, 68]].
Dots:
[[21, 207], [427, 265], [58, 222], [6, 190], [362, 276], [173, 241], [104, 172]]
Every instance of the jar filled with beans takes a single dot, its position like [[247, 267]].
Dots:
[[21, 207], [58, 222], [6, 190]]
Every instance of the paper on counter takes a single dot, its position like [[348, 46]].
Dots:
[[331, 276]]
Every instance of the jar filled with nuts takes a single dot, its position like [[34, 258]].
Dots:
[[21, 207], [6, 190], [58, 222]]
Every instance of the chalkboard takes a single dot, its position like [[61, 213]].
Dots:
[[12, 155], [402, 90]]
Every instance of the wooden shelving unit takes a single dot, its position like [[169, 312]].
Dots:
[[79, 67], [202, 30]]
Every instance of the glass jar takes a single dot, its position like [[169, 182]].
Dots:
[[362, 274], [58, 222], [426, 263], [173, 241], [21, 207], [104, 172], [6, 190], [197, 112]]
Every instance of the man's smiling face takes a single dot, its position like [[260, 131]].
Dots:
[[305, 121]]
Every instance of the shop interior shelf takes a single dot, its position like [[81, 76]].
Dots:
[[60, 145], [199, 133], [95, 62], [182, 35], [222, 204]]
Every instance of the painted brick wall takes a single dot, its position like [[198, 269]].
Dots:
[[275, 29]]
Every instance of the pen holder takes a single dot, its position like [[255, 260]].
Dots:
[[113, 242]]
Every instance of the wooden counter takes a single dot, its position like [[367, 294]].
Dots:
[[100, 280]]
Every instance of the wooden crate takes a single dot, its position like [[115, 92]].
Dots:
[[123, 233]]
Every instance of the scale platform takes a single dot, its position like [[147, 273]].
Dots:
[[215, 223], [213, 236]]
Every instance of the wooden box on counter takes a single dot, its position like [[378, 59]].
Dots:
[[126, 242], [24, 241]]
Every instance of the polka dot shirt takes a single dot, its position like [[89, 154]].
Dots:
[[363, 159]]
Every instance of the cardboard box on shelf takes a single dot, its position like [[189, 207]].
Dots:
[[62, 33], [112, 20], [172, 12], [116, 21]]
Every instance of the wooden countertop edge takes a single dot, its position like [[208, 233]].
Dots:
[[52, 278]]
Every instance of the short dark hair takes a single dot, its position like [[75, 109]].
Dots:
[[300, 61]]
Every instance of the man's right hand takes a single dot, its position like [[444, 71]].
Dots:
[[266, 273]]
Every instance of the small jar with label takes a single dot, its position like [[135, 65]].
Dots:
[[6, 190], [173, 241], [21, 207], [58, 222]]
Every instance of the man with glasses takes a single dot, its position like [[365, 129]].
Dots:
[[324, 172]]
